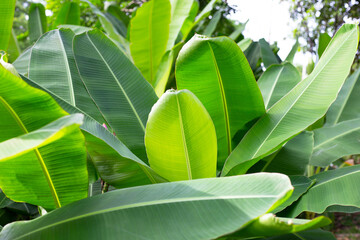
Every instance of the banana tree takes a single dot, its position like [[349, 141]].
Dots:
[[178, 149]]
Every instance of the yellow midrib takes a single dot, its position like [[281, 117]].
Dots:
[[187, 158], [37, 153], [223, 97]]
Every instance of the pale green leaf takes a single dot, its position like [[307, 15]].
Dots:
[[334, 142], [149, 35], [198, 209], [277, 81], [180, 138]]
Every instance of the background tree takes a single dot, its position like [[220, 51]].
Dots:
[[324, 16]]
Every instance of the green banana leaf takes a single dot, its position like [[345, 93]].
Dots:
[[75, 28], [149, 35], [324, 40], [277, 81], [307, 102], [205, 12], [189, 21], [53, 67], [197, 209], [269, 225], [294, 157], [180, 10], [268, 56], [55, 160], [13, 50], [69, 14], [253, 55], [231, 96], [24, 209], [334, 142], [344, 209], [115, 163], [37, 23], [4, 201], [301, 184], [211, 26], [244, 44], [112, 28], [291, 55], [180, 138], [21, 63], [123, 96], [346, 105], [115, 10], [316, 234], [334, 187], [118, 25], [238, 30], [165, 67], [7, 15]]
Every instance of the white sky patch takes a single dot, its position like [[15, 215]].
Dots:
[[269, 19]]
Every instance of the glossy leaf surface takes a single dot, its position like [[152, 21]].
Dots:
[[55, 160], [37, 21], [7, 9], [180, 11], [222, 205], [123, 95], [69, 14], [335, 187], [332, 143], [269, 225], [52, 66], [217, 72], [293, 158], [180, 138], [267, 54], [346, 105], [149, 35], [115, 163], [307, 102], [277, 81]]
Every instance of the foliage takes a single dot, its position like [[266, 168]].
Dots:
[[163, 155], [316, 17]]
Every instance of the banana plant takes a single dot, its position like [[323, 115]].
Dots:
[[169, 156]]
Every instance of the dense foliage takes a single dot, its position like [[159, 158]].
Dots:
[[163, 131]]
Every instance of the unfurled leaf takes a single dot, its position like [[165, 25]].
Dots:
[[217, 72], [307, 102], [180, 138], [222, 205]]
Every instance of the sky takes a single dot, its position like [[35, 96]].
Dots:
[[269, 19]]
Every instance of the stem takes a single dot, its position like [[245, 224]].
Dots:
[[105, 187]]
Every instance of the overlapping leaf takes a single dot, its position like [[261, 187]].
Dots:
[[217, 72], [303, 105], [180, 138], [197, 209]]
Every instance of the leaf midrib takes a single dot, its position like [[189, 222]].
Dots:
[[68, 72], [301, 94], [183, 137], [337, 136], [117, 81], [223, 98], [143, 167], [346, 100], [273, 86], [36, 151], [151, 203]]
